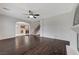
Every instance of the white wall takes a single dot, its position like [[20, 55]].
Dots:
[[8, 26], [33, 26], [60, 27]]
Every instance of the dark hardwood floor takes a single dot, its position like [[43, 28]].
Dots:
[[33, 45]]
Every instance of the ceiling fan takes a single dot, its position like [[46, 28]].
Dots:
[[31, 14]]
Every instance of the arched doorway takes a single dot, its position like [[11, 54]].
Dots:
[[22, 28]]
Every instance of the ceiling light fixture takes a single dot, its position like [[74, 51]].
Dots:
[[30, 16]]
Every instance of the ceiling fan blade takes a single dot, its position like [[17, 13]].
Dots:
[[36, 15]]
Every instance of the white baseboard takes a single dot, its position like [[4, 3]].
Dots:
[[6, 37], [71, 51]]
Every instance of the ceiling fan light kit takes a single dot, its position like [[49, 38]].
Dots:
[[30, 16]]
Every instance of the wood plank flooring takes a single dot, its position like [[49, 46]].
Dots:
[[33, 45]]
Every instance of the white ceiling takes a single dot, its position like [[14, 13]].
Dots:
[[45, 10]]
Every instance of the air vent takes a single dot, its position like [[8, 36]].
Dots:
[[6, 9]]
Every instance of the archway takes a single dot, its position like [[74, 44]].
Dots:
[[22, 28]]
